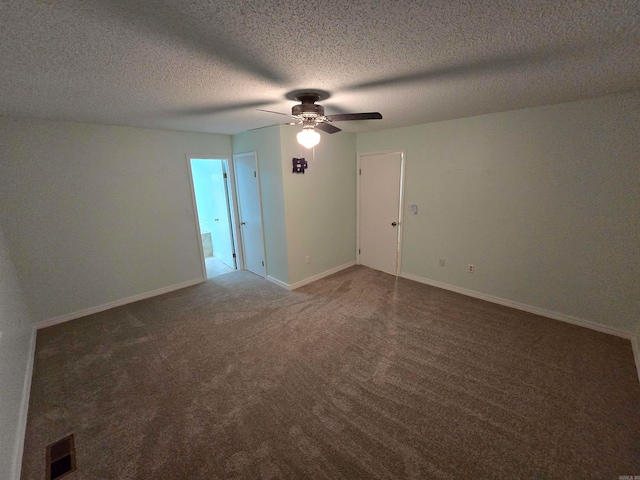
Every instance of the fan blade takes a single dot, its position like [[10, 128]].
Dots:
[[341, 117], [260, 128], [327, 127], [274, 125], [271, 111]]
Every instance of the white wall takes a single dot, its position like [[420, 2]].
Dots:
[[266, 143], [320, 205], [17, 335], [544, 201], [94, 214]]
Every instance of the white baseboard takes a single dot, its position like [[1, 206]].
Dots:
[[21, 431], [309, 280], [636, 353], [524, 307], [116, 303], [280, 283], [312, 279]]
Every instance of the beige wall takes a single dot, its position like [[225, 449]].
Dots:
[[320, 205], [543, 201], [16, 337], [94, 214]]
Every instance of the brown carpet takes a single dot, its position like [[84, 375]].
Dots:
[[357, 376]]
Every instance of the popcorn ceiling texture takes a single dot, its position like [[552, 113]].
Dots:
[[206, 65]]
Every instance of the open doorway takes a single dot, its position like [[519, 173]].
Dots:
[[211, 191]]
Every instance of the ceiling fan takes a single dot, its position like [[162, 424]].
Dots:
[[311, 116]]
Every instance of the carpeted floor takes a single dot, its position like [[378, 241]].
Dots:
[[356, 376]]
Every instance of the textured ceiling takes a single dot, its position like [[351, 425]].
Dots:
[[202, 65]]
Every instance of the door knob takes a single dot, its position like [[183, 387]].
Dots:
[[393, 224], [243, 223], [216, 220]]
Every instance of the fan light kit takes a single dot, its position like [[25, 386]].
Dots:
[[308, 137], [311, 116]]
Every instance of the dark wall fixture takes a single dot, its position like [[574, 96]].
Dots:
[[299, 165]]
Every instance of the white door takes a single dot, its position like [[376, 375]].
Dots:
[[250, 212], [379, 211], [221, 233]]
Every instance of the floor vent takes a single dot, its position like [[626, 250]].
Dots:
[[61, 458]]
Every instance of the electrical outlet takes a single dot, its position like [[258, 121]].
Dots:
[[308, 259], [471, 268], [441, 263]]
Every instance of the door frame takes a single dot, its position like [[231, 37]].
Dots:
[[403, 159], [237, 210], [226, 161]]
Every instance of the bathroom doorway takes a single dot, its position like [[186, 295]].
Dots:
[[212, 193]]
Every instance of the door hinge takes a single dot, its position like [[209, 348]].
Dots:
[[263, 263], [254, 173], [358, 251], [234, 255], [224, 175], [360, 171]]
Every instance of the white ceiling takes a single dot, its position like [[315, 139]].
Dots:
[[201, 65]]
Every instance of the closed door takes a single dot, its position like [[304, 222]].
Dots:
[[250, 212], [379, 219]]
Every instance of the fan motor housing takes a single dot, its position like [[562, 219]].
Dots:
[[310, 110]]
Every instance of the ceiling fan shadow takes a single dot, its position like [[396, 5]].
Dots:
[[167, 20], [495, 64], [335, 109]]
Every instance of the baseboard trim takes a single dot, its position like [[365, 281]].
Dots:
[[21, 432], [636, 353], [522, 306], [280, 283], [312, 279], [319, 276], [116, 303]]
